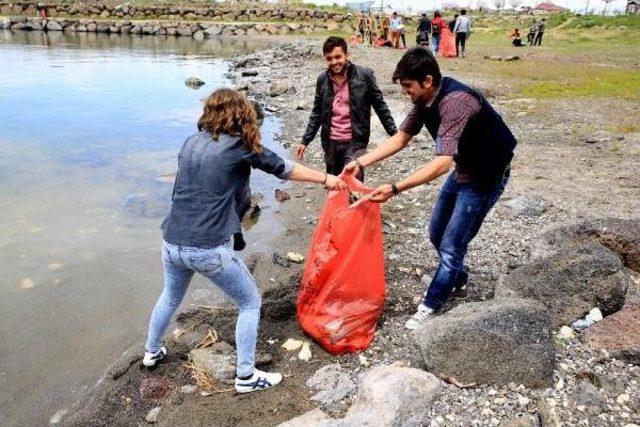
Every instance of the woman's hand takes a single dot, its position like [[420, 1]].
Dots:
[[335, 183], [351, 168]]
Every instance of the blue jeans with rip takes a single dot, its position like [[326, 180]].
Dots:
[[456, 219], [224, 269]]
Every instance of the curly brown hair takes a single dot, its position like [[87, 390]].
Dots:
[[229, 111]]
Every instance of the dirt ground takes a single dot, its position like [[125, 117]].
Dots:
[[578, 179]]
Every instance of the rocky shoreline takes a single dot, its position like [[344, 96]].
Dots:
[[505, 355]]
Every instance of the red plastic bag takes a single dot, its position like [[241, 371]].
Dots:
[[343, 285], [447, 48]]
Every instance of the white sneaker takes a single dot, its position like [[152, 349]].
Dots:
[[150, 360], [260, 380], [421, 317]]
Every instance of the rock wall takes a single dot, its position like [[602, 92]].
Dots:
[[198, 21], [197, 30]]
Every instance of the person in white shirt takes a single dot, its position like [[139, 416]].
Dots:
[[461, 30]]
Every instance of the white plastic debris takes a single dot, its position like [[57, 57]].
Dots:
[[595, 315], [291, 344], [363, 360], [566, 333], [295, 257], [305, 353]]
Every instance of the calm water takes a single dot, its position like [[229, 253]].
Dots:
[[90, 126]]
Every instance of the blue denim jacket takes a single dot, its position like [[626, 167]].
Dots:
[[211, 175]]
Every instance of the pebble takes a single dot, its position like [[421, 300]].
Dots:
[[152, 415]]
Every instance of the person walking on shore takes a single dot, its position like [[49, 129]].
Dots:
[[345, 93], [214, 166], [461, 29], [437, 25], [467, 131], [424, 28], [537, 41]]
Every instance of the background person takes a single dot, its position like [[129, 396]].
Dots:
[[424, 28], [214, 166], [437, 25], [516, 38], [461, 29]]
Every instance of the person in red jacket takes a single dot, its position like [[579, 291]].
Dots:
[[437, 25]]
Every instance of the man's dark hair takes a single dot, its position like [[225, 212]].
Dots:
[[463, 12], [417, 64], [333, 42], [424, 15]]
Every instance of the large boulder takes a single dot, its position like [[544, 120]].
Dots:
[[620, 235], [392, 396], [571, 282], [619, 334], [498, 341]]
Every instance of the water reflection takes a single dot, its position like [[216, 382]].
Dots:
[[90, 126]]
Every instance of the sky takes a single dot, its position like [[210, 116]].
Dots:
[[417, 5]]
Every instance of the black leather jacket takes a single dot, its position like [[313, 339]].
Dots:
[[363, 94]]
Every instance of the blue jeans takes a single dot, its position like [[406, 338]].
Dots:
[[225, 270], [456, 219], [435, 41]]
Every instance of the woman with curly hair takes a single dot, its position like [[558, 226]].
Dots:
[[214, 166]]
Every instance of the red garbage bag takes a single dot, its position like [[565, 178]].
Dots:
[[447, 46], [343, 285]]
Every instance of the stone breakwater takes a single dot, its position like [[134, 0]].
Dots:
[[197, 30], [197, 21]]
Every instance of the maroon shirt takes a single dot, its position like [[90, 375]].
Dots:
[[341, 117]]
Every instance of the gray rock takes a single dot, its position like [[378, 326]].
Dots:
[[314, 417], [279, 88], [612, 387], [588, 395], [498, 341], [193, 82], [152, 415], [393, 396], [198, 35], [184, 32], [620, 235], [213, 30], [249, 73], [54, 26], [188, 389], [527, 206], [571, 283], [333, 385], [521, 421], [547, 414], [219, 361]]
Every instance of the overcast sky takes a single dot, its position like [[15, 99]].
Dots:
[[577, 5]]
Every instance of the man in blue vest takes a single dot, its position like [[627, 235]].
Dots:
[[469, 133]]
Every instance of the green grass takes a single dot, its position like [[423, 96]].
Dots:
[[623, 84]]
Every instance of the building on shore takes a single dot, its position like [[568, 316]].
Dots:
[[633, 7]]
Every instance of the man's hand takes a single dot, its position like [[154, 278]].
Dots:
[[300, 149], [382, 194], [351, 168], [335, 183]]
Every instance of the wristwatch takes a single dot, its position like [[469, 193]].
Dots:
[[394, 188]]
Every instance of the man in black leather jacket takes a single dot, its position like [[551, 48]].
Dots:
[[344, 96]]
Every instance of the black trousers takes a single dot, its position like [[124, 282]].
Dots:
[[337, 154], [538, 40], [461, 39]]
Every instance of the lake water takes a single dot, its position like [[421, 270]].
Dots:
[[90, 127]]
